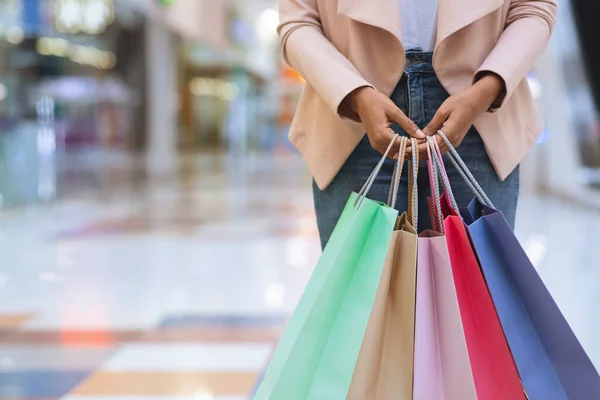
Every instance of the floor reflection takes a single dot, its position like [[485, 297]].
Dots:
[[178, 288]]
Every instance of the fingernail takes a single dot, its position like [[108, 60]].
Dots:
[[420, 134]]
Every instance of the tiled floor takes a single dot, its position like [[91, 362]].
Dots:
[[179, 290]]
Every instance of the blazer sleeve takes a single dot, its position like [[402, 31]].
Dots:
[[306, 49], [528, 29]]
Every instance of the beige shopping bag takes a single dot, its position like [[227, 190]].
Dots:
[[384, 370]]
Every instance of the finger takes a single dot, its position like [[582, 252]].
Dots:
[[406, 123], [421, 150], [419, 141], [409, 146], [454, 131], [441, 144], [423, 154], [437, 121], [382, 141], [395, 150]]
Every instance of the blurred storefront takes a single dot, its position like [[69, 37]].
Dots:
[[62, 91], [220, 107], [228, 79], [70, 56], [94, 92], [566, 161], [130, 83], [85, 85]]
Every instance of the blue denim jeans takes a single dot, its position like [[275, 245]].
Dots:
[[418, 94]]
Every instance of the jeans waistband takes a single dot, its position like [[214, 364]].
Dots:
[[424, 59]]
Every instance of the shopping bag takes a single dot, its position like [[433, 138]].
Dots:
[[494, 371], [551, 362], [442, 370], [318, 351], [384, 370]]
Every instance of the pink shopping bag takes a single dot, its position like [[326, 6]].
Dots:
[[442, 370]]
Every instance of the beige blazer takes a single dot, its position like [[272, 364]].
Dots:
[[340, 45]]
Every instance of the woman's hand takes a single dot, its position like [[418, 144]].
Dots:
[[457, 114], [377, 112]]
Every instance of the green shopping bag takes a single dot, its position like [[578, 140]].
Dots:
[[317, 354]]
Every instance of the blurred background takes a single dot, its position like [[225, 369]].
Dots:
[[156, 226]]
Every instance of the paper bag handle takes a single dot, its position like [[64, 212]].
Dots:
[[393, 195], [364, 191], [413, 193], [432, 167], [463, 170]]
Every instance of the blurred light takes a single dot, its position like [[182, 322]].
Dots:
[[214, 88], [228, 91], [3, 91], [88, 16], [85, 55], [266, 25], [296, 253], [46, 141], [97, 16], [201, 86], [41, 46], [45, 108], [53, 46], [544, 136], [15, 35], [536, 87], [536, 248], [106, 60], [274, 294], [67, 14], [81, 54]]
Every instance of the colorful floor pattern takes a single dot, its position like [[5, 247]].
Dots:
[[210, 357]]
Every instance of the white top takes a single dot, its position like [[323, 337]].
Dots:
[[419, 20]]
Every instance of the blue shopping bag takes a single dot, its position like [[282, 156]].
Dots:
[[551, 362]]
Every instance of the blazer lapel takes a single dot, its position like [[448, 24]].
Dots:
[[453, 15], [384, 14]]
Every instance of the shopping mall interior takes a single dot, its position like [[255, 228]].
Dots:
[[157, 228]]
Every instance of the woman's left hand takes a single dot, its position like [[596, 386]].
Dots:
[[457, 114]]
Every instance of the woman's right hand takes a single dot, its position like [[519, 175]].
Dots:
[[377, 112]]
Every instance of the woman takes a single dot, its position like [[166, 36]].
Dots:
[[413, 66]]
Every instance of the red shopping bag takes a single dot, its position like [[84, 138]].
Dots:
[[494, 371]]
